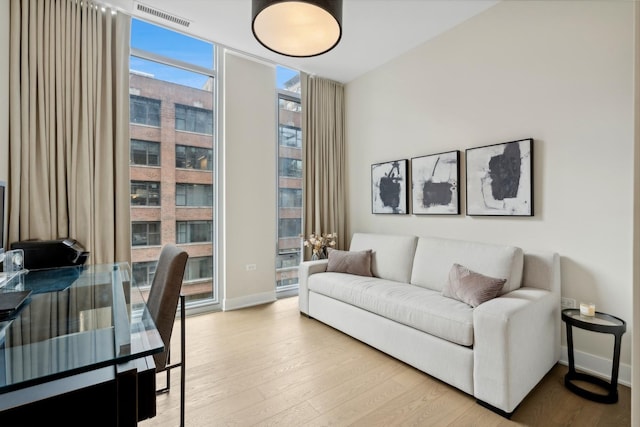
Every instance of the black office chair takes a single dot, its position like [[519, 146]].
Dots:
[[163, 304]]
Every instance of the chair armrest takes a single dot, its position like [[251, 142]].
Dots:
[[516, 342], [306, 269]]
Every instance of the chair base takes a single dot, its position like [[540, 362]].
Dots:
[[180, 364]]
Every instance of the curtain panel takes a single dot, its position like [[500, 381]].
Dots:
[[323, 151], [69, 125]]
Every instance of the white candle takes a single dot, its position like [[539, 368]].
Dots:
[[587, 309]]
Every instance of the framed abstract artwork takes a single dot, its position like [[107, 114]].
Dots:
[[389, 187], [434, 184], [500, 179]]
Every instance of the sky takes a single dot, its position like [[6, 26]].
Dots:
[[172, 44]]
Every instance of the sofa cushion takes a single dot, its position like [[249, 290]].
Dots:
[[471, 287], [420, 308], [435, 256], [351, 262], [391, 256]]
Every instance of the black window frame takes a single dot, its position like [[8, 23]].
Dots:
[[147, 184], [151, 118], [297, 136], [208, 268], [297, 197], [186, 195], [153, 237], [188, 234], [147, 145], [188, 120], [150, 271], [289, 167], [189, 160], [283, 224]]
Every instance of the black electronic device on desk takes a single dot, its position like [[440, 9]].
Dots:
[[40, 254], [11, 302]]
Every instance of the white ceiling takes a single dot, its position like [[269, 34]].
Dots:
[[374, 31]]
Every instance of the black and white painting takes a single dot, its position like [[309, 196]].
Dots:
[[434, 183], [389, 187], [500, 179]]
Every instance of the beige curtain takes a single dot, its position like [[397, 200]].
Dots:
[[324, 151], [69, 125]]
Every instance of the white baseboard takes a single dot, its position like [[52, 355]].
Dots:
[[596, 365], [248, 301]]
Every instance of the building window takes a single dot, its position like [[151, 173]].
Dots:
[[144, 111], [145, 153], [290, 167], [194, 195], [288, 260], [194, 119], [194, 158], [198, 268], [281, 283], [290, 136], [143, 272], [145, 233], [145, 193], [290, 197], [194, 231], [289, 227]]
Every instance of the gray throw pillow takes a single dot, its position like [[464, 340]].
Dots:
[[471, 287], [351, 262]]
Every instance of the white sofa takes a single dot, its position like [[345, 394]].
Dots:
[[496, 352]]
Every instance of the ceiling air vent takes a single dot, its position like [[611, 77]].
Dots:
[[162, 14]]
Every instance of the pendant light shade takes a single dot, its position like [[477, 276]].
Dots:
[[299, 28]]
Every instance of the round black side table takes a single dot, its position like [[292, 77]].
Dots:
[[603, 323]]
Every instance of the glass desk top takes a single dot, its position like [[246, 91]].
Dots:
[[76, 319]]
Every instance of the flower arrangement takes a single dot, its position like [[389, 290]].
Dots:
[[319, 242]]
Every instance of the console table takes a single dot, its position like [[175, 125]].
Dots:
[[602, 323], [83, 340]]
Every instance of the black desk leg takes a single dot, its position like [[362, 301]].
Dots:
[[127, 394]]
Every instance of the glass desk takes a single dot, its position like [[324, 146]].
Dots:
[[77, 320]]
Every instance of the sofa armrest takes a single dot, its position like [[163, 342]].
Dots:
[[306, 269], [516, 343]]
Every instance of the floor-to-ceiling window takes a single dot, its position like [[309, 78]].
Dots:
[[289, 178], [173, 152]]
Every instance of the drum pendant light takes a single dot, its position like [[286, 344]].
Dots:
[[299, 28]]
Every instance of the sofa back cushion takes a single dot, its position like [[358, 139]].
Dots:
[[391, 255], [435, 257]]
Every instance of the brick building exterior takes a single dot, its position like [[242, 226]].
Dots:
[[149, 128]]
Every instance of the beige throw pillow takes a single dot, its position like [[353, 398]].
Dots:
[[471, 287], [351, 262]]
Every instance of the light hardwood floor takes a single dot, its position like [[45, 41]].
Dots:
[[270, 366]]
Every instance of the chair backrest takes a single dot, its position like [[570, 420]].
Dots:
[[164, 295]]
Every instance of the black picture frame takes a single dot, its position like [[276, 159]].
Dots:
[[500, 179], [389, 187], [435, 184]]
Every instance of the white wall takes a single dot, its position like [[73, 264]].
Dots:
[[560, 72], [250, 182]]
